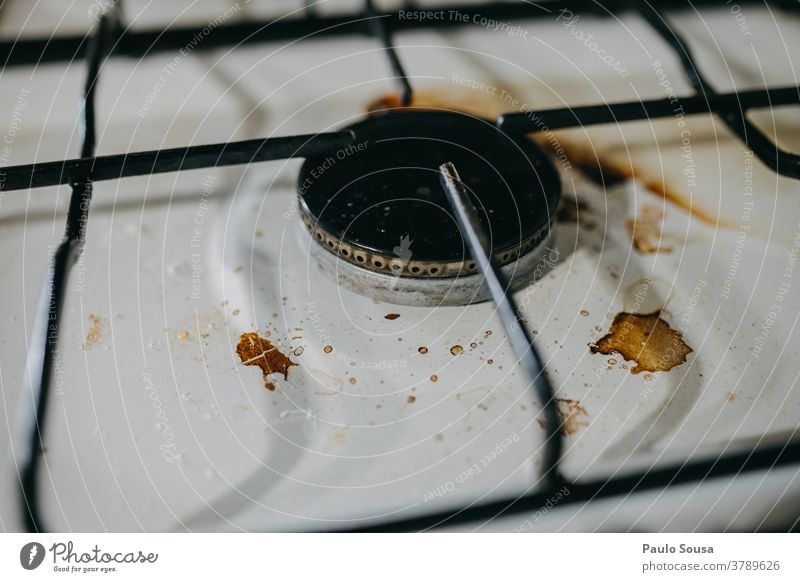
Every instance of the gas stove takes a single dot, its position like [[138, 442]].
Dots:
[[287, 330]]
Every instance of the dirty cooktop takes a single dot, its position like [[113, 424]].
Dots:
[[212, 378]]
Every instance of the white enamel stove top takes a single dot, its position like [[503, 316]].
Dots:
[[158, 425]]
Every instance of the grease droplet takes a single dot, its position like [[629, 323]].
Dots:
[[573, 416], [647, 340], [254, 350]]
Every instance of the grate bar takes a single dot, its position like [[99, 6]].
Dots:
[[562, 118], [142, 43], [170, 160], [43, 351], [480, 247], [378, 27], [730, 465], [777, 159]]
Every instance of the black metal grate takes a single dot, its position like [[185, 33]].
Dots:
[[111, 39]]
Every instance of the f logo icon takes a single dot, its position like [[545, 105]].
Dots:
[[31, 555]]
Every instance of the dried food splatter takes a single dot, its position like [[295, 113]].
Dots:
[[391, 316], [573, 416], [456, 350], [254, 350], [95, 333], [647, 233], [572, 210], [647, 340]]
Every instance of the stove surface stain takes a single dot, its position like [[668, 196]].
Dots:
[[391, 316], [465, 102], [95, 334], [646, 231], [254, 350], [647, 340], [572, 210], [573, 416], [602, 169]]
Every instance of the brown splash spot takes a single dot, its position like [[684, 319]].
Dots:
[[254, 350], [184, 335], [573, 416], [646, 231], [572, 210], [456, 350], [423, 350], [391, 316], [490, 361], [470, 102], [647, 340], [661, 188], [352, 380], [434, 378], [411, 399], [473, 345], [298, 351], [327, 349], [584, 313], [606, 170], [95, 333], [599, 170]]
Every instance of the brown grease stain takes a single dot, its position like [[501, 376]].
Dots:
[[570, 209], [600, 171], [391, 316], [327, 349], [456, 350], [423, 350], [600, 168], [95, 333], [466, 102], [254, 350], [646, 231], [647, 340], [572, 414], [593, 165]]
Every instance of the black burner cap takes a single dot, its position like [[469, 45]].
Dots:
[[383, 194]]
